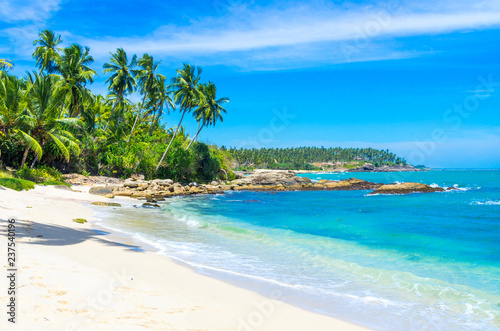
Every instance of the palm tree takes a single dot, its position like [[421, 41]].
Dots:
[[74, 68], [122, 80], [158, 98], [146, 78], [186, 94], [12, 103], [41, 118], [5, 64], [210, 110], [46, 54]]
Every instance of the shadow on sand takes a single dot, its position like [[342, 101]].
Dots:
[[55, 235]]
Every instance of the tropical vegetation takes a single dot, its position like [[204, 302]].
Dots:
[[50, 118], [306, 157]]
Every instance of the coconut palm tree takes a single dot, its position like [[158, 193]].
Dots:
[[210, 109], [186, 94], [46, 54], [42, 120], [74, 67], [121, 82], [5, 64], [158, 98], [146, 79], [12, 103]]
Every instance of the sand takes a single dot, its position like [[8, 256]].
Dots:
[[71, 277]]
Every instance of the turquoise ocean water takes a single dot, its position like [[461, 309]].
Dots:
[[406, 262]]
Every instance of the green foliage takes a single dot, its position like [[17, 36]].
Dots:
[[17, 184], [303, 157], [42, 174]]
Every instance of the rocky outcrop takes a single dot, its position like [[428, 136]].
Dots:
[[283, 180], [405, 188], [259, 180]]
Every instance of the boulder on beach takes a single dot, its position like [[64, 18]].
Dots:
[[100, 191]]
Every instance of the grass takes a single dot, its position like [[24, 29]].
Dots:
[[17, 184], [25, 178]]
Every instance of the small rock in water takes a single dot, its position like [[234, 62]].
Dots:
[[148, 205]]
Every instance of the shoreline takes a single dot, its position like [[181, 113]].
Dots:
[[76, 276]]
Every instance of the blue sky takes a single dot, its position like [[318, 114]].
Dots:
[[419, 78]]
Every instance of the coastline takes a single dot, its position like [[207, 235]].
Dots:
[[75, 277]]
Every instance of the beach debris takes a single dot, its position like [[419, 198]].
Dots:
[[109, 204], [80, 220]]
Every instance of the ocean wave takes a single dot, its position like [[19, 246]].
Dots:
[[486, 203]]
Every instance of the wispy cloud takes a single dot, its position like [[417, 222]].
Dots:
[[27, 18], [27, 10], [304, 32]]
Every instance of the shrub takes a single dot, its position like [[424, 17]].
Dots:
[[40, 174], [17, 184]]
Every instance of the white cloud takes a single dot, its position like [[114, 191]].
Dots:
[[300, 30], [27, 10]]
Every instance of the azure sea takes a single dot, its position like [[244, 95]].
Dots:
[[399, 262]]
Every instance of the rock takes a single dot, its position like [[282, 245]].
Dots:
[[405, 188], [109, 204], [214, 183], [131, 184], [100, 191], [114, 187], [123, 193], [162, 182], [178, 189], [110, 196], [151, 199], [136, 177], [150, 205], [194, 184], [368, 167]]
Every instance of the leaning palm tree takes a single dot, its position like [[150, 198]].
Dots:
[[47, 53], [146, 79], [121, 82], [42, 121], [74, 67], [210, 109], [186, 94]]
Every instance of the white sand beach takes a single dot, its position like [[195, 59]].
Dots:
[[71, 277]]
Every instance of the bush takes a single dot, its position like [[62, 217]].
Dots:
[[17, 184], [40, 174]]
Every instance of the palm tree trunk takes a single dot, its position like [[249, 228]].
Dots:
[[25, 155], [171, 140], [196, 136], [137, 117], [34, 161]]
